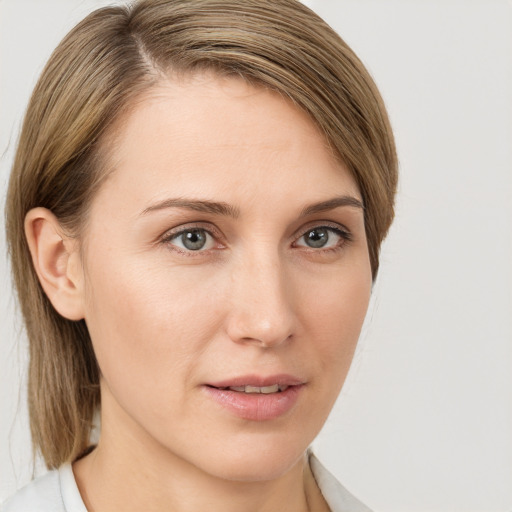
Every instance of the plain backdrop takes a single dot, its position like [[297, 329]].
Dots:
[[424, 422]]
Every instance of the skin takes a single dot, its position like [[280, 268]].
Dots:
[[165, 320]]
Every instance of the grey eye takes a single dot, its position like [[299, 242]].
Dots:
[[316, 238], [193, 239], [321, 237]]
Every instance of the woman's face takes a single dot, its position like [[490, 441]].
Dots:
[[226, 250]]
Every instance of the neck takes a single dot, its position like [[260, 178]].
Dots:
[[133, 474], [104, 484]]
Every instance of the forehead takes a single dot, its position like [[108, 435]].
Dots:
[[204, 134]]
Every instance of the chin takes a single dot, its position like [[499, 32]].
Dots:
[[255, 459]]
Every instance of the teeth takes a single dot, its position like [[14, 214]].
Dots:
[[256, 389]]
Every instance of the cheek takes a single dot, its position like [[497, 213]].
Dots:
[[148, 325], [333, 316]]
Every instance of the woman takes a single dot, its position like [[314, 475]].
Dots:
[[194, 216]]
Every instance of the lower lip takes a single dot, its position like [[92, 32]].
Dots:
[[256, 406]]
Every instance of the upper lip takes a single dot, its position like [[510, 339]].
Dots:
[[281, 379]]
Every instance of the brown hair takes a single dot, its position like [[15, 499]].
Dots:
[[96, 72]]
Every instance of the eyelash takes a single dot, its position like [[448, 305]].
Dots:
[[169, 236], [344, 234]]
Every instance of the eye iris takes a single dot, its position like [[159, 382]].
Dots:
[[194, 239], [316, 237]]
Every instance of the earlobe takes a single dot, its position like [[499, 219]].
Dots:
[[56, 260]]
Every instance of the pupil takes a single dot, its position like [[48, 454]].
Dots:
[[317, 237], [194, 240]]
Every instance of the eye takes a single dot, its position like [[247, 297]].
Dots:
[[322, 237], [194, 239]]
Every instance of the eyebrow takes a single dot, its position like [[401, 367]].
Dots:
[[221, 208], [199, 205], [331, 204]]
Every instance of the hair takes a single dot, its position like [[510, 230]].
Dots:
[[98, 70]]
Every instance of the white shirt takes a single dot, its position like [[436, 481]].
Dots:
[[57, 491]]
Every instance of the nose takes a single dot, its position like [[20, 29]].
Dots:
[[262, 310]]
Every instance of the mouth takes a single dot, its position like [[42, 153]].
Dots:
[[258, 383], [257, 398], [264, 390]]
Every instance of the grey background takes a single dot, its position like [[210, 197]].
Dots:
[[424, 422]]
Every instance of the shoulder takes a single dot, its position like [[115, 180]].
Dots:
[[55, 491], [42, 494], [337, 497]]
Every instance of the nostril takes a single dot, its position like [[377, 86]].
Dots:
[[259, 314]]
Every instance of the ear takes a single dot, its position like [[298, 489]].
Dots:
[[57, 262]]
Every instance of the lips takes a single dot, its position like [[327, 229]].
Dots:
[[258, 381], [266, 390], [256, 398]]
